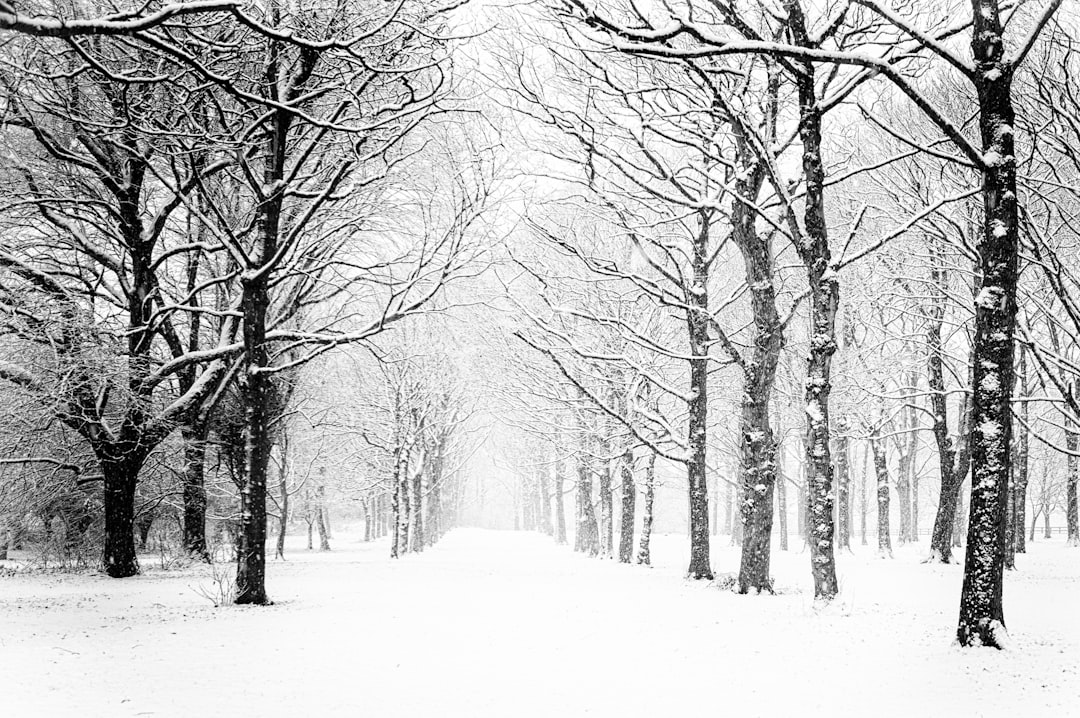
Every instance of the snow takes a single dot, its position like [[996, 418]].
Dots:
[[990, 297], [509, 625], [990, 429]]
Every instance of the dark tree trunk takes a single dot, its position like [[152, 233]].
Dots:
[[627, 501], [120, 479], [1047, 532], [824, 286], [1020, 486], [881, 468], [283, 520], [195, 491], [395, 512], [258, 394], [405, 509], [643, 556], [143, 523], [982, 615]]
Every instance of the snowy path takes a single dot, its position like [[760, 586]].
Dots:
[[503, 624]]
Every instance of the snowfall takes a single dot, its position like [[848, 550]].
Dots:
[[506, 624]]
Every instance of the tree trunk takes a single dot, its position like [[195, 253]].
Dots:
[[903, 491], [1072, 462], [881, 468], [396, 547], [824, 286], [560, 505], [417, 510], [120, 479], [545, 502], [864, 498], [283, 520], [143, 523], [257, 393], [960, 525], [195, 490], [781, 505], [643, 556], [587, 536], [1020, 484], [914, 504], [607, 506], [697, 321], [843, 486], [320, 519], [1047, 532], [952, 462], [758, 485], [627, 505], [1010, 515], [982, 616]]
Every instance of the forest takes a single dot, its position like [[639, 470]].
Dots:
[[766, 299]]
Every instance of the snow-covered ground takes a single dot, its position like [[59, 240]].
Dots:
[[506, 624]]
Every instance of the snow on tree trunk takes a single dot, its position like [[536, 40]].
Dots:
[[396, 547], [697, 319], [627, 505], [1072, 445], [824, 301], [881, 469], [1071, 474], [647, 514], [758, 449], [982, 617]]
